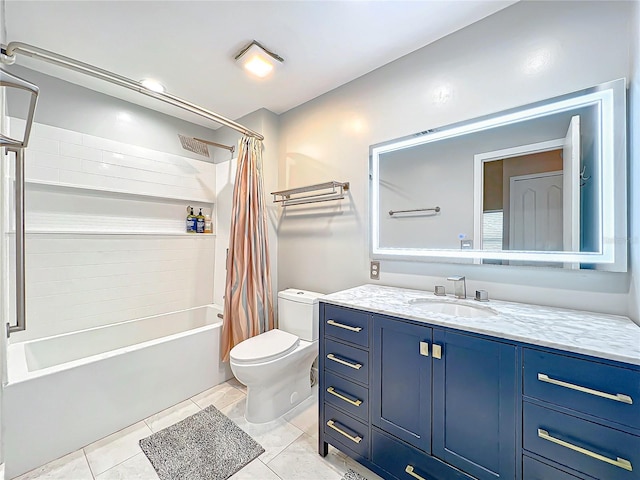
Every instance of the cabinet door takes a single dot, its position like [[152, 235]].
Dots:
[[401, 398], [474, 405]]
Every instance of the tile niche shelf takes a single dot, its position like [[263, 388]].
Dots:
[[110, 192], [63, 209]]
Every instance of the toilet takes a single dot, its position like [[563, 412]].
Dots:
[[275, 365]]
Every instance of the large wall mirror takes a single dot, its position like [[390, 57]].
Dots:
[[543, 184]]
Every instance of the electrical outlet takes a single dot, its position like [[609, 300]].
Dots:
[[374, 271]]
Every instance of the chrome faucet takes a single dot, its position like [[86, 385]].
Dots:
[[459, 286]]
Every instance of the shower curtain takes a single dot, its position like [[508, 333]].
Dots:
[[248, 307]]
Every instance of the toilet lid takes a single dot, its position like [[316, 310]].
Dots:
[[264, 347]]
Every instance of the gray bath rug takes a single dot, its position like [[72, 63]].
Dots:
[[204, 446], [351, 475]]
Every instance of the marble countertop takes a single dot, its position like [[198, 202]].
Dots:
[[600, 335]]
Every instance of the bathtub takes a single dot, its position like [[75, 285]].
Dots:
[[67, 391]]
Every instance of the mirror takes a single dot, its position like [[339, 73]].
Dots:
[[543, 184]]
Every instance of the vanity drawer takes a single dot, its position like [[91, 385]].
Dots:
[[407, 463], [346, 324], [535, 470], [584, 446], [346, 431], [348, 361], [590, 387], [346, 395]]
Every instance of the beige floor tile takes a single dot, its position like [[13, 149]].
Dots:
[[219, 396], [236, 384], [305, 415], [136, 468], [172, 415], [301, 460], [70, 467], [255, 470], [273, 436], [115, 449]]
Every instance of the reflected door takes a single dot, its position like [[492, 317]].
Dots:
[[535, 212], [571, 189]]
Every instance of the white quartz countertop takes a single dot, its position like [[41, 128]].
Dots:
[[605, 336]]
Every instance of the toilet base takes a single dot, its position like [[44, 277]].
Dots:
[[266, 403]]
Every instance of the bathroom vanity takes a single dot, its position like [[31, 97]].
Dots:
[[414, 386]]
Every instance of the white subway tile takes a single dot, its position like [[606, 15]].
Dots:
[[80, 151], [56, 161], [38, 173], [81, 179], [16, 126], [42, 144], [56, 133]]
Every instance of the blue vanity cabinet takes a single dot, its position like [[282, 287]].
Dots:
[[401, 398], [581, 414], [475, 404], [344, 373]]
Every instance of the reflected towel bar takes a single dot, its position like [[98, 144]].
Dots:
[[433, 209]]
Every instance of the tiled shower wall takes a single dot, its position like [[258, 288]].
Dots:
[[105, 232]]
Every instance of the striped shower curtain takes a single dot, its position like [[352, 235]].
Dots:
[[248, 308]]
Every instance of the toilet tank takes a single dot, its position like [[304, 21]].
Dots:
[[298, 313]]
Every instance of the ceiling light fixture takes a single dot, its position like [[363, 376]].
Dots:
[[257, 60], [153, 85]]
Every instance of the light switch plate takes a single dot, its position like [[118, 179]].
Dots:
[[374, 271]]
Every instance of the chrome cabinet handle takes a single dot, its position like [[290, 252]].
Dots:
[[342, 325], [410, 471], [356, 366], [618, 462], [331, 424], [356, 402], [618, 397]]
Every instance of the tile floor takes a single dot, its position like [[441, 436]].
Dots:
[[290, 444]]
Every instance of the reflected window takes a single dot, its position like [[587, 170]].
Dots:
[[492, 225]]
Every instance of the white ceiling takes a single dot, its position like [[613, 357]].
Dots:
[[189, 45]]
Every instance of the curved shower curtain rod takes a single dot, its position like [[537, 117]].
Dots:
[[14, 48]]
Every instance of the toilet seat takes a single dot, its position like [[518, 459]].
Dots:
[[264, 347]]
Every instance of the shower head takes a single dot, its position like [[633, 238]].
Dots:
[[199, 146], [193, 145]]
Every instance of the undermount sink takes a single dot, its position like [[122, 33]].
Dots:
[[452, 307]]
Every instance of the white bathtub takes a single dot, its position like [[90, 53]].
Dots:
[[70, 390]]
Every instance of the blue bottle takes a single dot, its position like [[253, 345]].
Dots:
[[191, 221]]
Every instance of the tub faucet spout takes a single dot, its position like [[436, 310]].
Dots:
[[459, 286]]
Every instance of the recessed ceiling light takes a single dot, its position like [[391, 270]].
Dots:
[[257, 60], [153, 85]]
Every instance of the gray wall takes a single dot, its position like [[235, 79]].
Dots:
[[66, 105], [481, 69], [634, 176]]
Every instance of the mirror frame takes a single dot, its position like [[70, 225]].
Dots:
[[610, 97]]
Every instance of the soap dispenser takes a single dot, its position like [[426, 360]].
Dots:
[[191, 220], [200, 222]]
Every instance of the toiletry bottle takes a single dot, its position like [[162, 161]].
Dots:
[[200, 222], [191, 220], [208, 224]]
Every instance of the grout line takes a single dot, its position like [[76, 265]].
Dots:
[[86, 459]]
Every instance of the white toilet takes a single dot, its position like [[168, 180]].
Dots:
[[275, 365]]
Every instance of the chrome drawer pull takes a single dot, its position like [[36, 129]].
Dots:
[[356, 366], [356, 402], [331, 424], [410, 471], [618, 397], [618, 462], [342, 325]]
